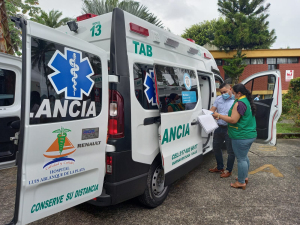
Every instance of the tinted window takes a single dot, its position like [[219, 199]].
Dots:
[[66, 84], [143, 85], [7, 87], [177, 88]]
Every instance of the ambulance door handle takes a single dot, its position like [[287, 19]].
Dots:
[[195, 122]]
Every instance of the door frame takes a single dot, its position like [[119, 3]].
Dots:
[[276, 106]]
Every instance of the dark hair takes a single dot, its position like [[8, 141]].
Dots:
[[224, 85], [241, 88], [172, 96]]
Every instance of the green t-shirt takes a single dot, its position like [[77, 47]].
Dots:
[[245, 128], [175, 107]]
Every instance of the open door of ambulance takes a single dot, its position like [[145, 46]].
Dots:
[[177, 92], [10, 107], [266, 90], [63, 123]]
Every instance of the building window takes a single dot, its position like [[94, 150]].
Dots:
[[281, 60], [271, 60], [219, 62], [253, 61], [292, 60], [272, 67], [257, 61], [247, 61]]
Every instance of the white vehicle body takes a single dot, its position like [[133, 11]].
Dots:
[[87, 133]]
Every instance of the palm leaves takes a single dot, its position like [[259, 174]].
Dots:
[[62, 131], [100, 7], [51, 19], [38, 56]]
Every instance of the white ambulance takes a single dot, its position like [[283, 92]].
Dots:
[[89, 112]]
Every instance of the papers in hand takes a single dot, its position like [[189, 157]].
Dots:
[[207, 112], [207, 121]]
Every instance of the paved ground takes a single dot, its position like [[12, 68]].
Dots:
[[272, 196]]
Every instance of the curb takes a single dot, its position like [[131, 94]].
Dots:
[[288, 135]]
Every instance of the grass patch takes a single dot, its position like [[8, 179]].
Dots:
[[283, 128]]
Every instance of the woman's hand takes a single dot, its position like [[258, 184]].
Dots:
[[216, 115]]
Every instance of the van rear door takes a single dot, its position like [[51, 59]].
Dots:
[[10, 107], [266, 85], [64, 116]]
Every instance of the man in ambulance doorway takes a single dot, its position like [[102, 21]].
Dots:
[[222, 105]]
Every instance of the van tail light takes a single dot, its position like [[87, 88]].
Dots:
[[116, 115], [85, 17], [109, 164]]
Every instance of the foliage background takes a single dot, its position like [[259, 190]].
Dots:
[[291, 101]]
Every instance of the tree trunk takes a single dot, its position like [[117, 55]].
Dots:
[[5, 41]]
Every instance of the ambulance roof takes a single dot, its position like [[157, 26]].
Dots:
[[97, 30]]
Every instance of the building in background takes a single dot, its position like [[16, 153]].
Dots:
[[285, 60]]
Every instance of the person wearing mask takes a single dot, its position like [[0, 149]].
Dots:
[[242, 130], [222, 105], [174, 101], [257, 98]]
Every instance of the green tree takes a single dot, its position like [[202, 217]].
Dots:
[[203, 32], [235, 67], [245, 27], [100, 7], [19, 8], [291, 101], [51, 19]]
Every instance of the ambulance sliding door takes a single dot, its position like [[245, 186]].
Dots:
[[63, 123], [177, 93]]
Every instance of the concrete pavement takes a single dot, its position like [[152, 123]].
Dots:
[[271, 197]]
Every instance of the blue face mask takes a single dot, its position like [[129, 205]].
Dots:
[[177, 101], [225, 96]]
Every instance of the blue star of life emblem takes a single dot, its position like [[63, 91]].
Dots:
[[149, 83], [71, 74]]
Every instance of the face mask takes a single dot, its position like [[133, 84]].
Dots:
[[225, 96], [177, 101]]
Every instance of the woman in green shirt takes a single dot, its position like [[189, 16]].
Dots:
[[174, 104], [242, 130]]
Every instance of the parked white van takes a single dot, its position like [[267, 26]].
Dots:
[[93, 106]]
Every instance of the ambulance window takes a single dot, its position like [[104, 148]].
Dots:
[[144, 85], [7, 87], [177, 88], [66, 84]]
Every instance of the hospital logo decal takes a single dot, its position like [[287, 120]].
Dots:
[[72, 74], [60, 150], [149, 83], [187, 81]]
